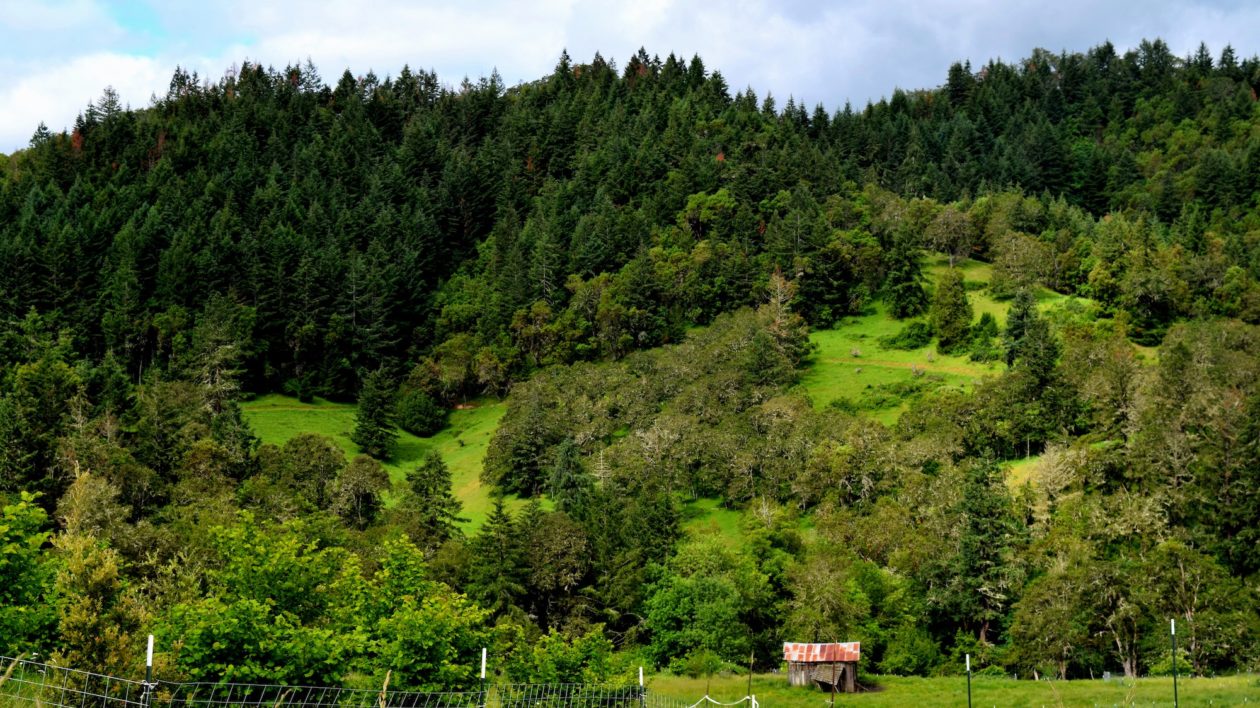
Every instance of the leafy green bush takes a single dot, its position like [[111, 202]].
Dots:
[[915, 335], [911, 652], [417, 413], [1163, 667], [701, 662], [556, 658]]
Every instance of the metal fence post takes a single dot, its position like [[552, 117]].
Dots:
[[968, 681], [642, 690], [484, 697], [1172, 632], [146, 698]]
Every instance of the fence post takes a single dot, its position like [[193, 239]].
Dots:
[[968, 681], [1172, 632], [146, 698], [484, 697], [642, 690]]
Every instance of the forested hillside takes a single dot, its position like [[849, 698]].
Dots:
[[649, 267]]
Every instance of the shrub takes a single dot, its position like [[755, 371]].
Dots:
[[417, 413], [911, 652], [915, 335]]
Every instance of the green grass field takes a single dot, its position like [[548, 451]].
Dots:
[[850, 362], [772, 691], [462, 444], [707, 516]]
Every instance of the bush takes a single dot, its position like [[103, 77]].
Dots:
[[417, 413], [701, 662], [844, 404], [915, 335], [911, 652], [1163, 667]]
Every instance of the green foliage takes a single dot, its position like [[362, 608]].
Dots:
[[100, 615], [374, 423], [248, 641], [432, 643], [555, 658], [914, 335], [498, 586], [430, 499], [417, 413], [903, 285], [27, 617], [705, 600], [987, 571], [356, 493], [570, 483], [911, 651], [950, 314]]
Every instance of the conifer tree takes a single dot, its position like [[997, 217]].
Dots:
[[498, 581], [1023, 311], [436, 507], [951, 311], [570, 483], [903, 284], [985, 572], [374, 423]]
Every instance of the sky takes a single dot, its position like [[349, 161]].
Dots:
[[56, 56]]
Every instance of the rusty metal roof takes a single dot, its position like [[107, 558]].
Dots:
[[835, 651]]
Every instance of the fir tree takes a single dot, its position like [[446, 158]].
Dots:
[[985, 573], [1023, 311], [374, 423], [951, 311], [436, 507], [498, 581], [903, 284], [570, 483]]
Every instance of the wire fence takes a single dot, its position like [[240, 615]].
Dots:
[[40, 685], [24, 683]]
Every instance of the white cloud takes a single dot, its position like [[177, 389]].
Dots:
[[58, 94], [54, 57]]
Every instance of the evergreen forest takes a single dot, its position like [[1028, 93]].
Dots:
[[677, 297]]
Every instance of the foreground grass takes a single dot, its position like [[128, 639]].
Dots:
[[462, 444], [772, 691]]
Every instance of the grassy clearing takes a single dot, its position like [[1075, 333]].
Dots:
[[708, 516], [772, 691], [850, 363], [462, 444], [1020, 471]]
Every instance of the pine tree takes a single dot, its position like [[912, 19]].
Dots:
[[570, 484], [950, 315], [1023, 311], [985, 572], [498, 581], [903, 284], [374, 423], [437, 508]]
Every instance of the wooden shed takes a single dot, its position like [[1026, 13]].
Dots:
[[824, 665]]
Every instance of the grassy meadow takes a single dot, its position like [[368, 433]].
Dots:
[[849, 361], [772, 691], [462, 443]]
